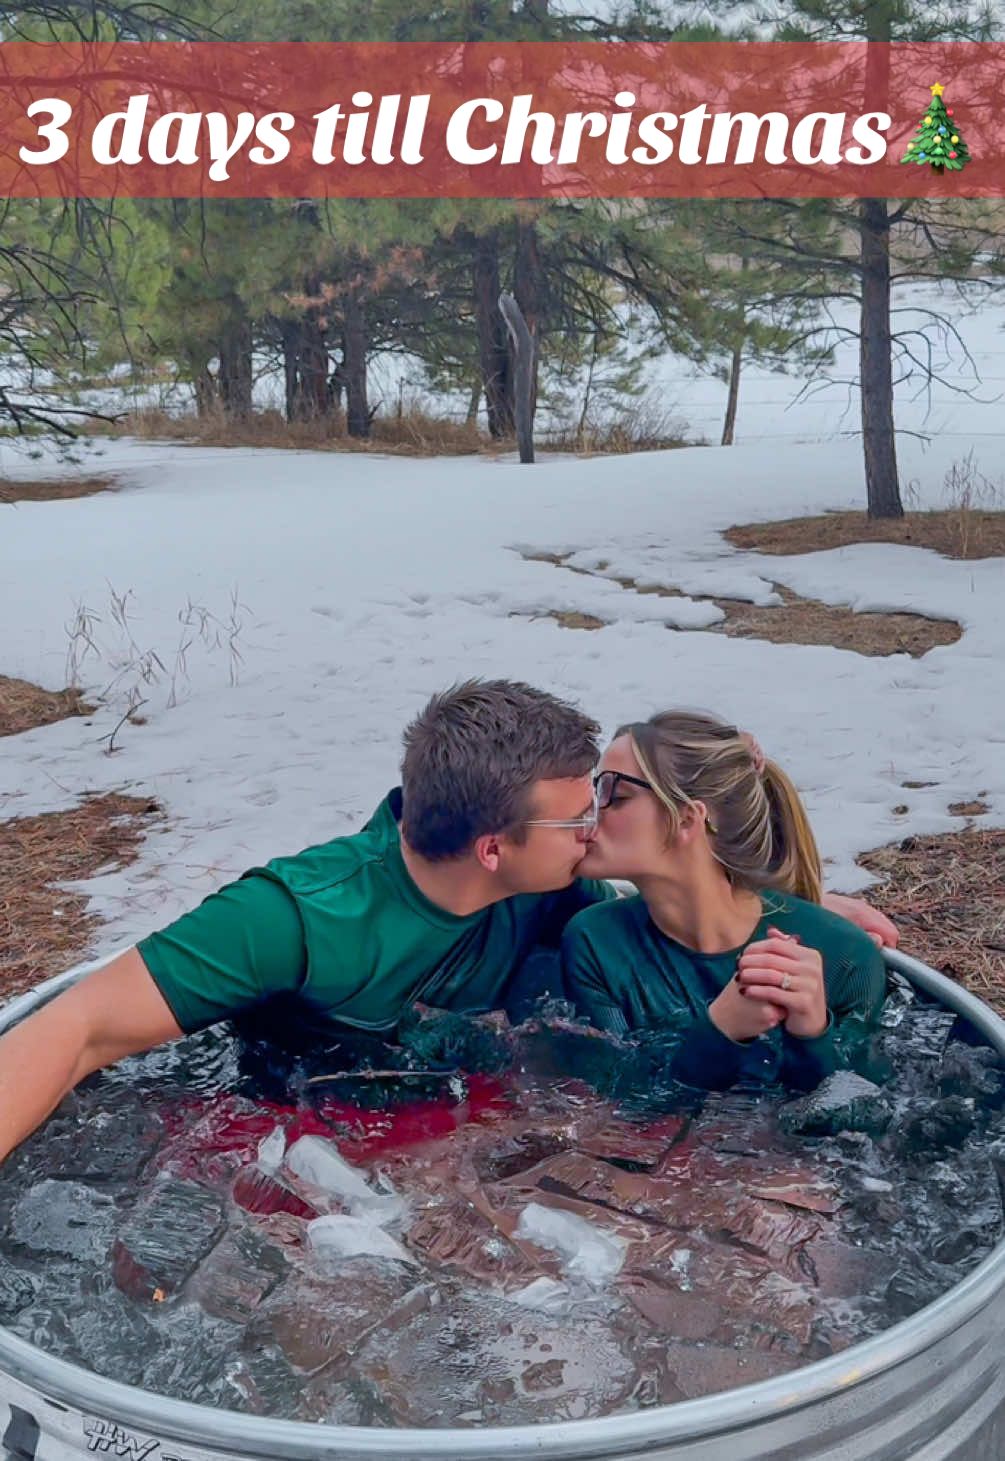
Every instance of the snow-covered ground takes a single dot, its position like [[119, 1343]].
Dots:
[[363, 584]]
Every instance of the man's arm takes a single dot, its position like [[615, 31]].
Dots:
[[114, 1012], [864, 916]]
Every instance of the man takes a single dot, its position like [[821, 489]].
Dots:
[[456, 878]]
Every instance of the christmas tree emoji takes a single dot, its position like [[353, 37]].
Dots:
[[938, 141]]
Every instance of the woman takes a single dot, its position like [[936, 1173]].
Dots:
[[726, 941]]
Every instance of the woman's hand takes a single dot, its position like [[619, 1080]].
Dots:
[[739, 1017], [781, 970]]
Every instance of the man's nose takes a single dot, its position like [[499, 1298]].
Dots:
[[587, 834]]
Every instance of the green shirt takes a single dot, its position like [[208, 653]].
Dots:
[[340, 936], [627, 976]]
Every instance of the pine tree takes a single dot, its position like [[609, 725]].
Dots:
[[938, 142]]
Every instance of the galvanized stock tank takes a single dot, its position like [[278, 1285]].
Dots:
[[930, 1388]]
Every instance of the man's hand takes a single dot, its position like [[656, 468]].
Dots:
[[782, 971], [864, 916], [740, 1018]]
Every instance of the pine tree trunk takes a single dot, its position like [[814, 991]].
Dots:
[[733, 396], [313, 401], [235, 375], [354, 366], [875, 343], [876, 363], [288, 335], [523, 375], [493, 351], [305, 369], [527, 289], [206, 403], [474, 401]]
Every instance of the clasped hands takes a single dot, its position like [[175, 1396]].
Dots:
[[778, 981]]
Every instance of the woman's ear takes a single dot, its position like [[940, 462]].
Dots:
[[692, 820], [486, 850]]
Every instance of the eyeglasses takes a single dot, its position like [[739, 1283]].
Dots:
[[586, 823], [605, 784]]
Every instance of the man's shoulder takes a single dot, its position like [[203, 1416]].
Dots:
[[326, 864]]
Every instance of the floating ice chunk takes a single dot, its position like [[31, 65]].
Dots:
[[386, 1209], [545, 1294], [338, 1236], [589, 1253], [64, 1217], [318, 1162], [271, 1150]]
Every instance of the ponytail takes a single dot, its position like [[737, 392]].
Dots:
[[795, 857]]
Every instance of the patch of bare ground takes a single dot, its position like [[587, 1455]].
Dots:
[[956, 532], [796, 620], [44, 929], [947, 896], [808, 621], [23, 706], [58, 489]]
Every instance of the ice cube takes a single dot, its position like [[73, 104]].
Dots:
[[101, 1331], [316, 1320], [588, 1252], [17, 1290], [319, 1163], [165, 1238], [262, 1192], [496, 1364], [338, 1236], [545, 1294], [237, 1275], [271, 1150], [64, 1217], [843, 1102], [386, 1209]]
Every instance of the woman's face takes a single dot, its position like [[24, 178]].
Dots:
[[631, 838]]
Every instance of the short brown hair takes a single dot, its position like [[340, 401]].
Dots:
[[472, 757]]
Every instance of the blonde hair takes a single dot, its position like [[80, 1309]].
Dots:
[[757, 826]]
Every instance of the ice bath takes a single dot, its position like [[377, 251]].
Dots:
[[513, 1247]]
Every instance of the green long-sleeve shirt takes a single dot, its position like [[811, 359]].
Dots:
[[628, 977]]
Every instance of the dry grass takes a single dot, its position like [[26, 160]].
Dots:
[[411, 434], [23, 706], [956, 532], [44, 930], [808, 621], [795, 621], [947, 896], [56, 489]]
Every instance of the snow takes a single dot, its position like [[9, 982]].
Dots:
[[344, 589]]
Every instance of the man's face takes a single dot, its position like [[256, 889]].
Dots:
[[549, 857]]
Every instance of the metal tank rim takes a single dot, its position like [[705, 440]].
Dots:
[[638, 1431]]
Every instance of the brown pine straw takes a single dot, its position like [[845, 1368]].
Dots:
[[23, 706], [947, 896], [44, 929]]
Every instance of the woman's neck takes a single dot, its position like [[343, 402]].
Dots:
[[701, 909]]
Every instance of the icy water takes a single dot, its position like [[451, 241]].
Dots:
[[424, 1247]]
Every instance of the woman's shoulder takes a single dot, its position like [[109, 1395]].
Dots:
[[600, 920]]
